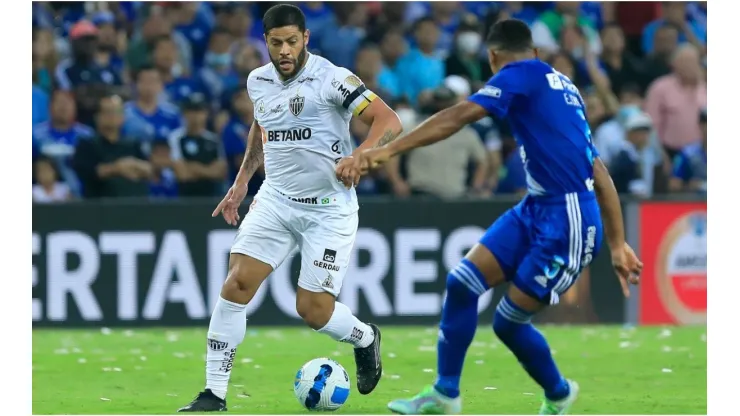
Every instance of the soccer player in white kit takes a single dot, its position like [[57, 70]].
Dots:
[[302, 108]]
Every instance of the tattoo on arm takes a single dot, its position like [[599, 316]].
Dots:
[[255, 152], [388, 137]]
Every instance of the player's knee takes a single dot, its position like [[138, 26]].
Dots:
[[243, 280], [315, 309], [465, 283], [509, 317]]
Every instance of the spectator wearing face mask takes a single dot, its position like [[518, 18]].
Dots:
[[465, 59], [217, 74]]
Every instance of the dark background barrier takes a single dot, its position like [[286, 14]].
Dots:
[[160, 264]]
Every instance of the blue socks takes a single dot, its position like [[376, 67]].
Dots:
[[465, 284], [513, 327]]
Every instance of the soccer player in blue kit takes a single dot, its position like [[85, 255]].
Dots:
[[543, 243]]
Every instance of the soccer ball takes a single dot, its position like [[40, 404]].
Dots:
[[322, 385]]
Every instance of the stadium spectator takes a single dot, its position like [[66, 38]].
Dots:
[[247, 58], [393, 47], [548, 28], [517, 10], [48, 188], [690, 165], [425, 55], [86, 73], [240, 25], [658, 63], [197, 153], [619, 64], [235, 136], [177, 83], [487, 129], [148, 118], [369, 64], [626, 167], [465, 59], [217, 75], [108, 165], [441, 170], [447, 15], [155, 26], [319, 18], [56, 139], [110, 41], [632, 17], [44, 58], [674, 12], [192, 21], [674, 100], [163, 183], [341, 40]]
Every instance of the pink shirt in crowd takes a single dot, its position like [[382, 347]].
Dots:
[[675, 109]]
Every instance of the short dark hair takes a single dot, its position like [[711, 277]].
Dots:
[[142, 69], [283, 15], [421, 21], [511, 35]]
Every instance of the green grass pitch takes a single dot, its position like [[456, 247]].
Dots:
[[155, 371]]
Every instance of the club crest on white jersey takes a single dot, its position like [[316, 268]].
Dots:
[[305, 127]]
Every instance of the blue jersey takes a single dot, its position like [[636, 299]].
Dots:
[[155, 126], [547, 117]]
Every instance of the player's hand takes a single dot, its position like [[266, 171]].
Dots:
[[627, 266], [229, 206], [373, 158], [348, 171]]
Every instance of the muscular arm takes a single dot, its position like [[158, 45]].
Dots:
[[611, 209], [438, 127], [384, 124], [255, 156]]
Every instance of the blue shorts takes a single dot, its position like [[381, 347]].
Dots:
[[543, 243]]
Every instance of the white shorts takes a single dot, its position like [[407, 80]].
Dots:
[[275, 227]]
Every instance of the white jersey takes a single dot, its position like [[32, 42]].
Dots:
[[305, 128]]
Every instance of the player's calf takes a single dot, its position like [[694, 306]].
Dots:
[[465, 284], [512, 324], [227, 329], [324, 314]]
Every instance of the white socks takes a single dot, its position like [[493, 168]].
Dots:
[[226, 331], [344, 327]]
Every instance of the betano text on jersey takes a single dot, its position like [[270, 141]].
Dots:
[[305, 128]]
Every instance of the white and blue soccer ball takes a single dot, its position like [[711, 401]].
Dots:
[[322, 385]]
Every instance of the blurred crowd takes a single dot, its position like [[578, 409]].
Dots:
[[123, 90]]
